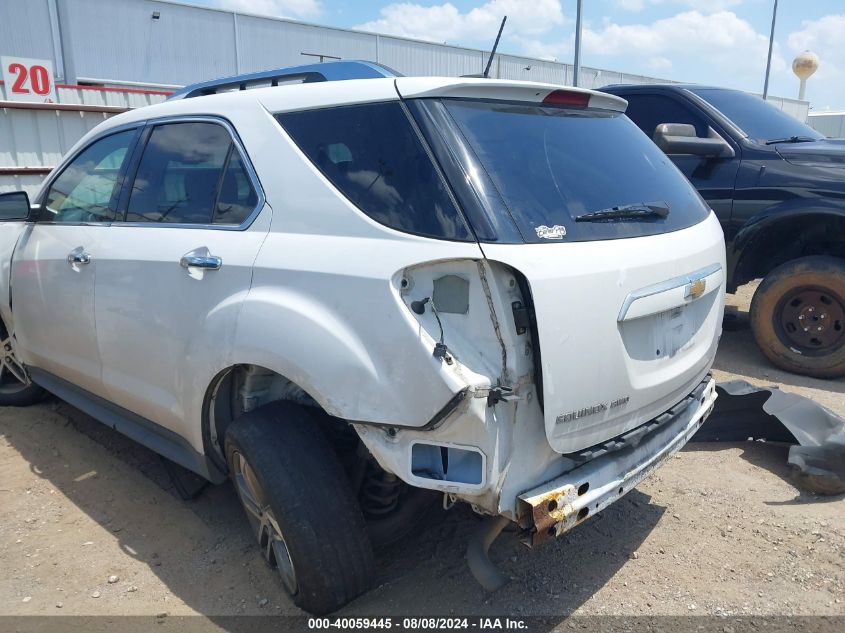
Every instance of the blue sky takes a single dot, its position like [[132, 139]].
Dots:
[[722, 42]]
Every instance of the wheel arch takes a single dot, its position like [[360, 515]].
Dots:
[[225, 395], [783, 233]]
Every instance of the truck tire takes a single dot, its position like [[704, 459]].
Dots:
[[798, 316], [15, 392], [300, 506]]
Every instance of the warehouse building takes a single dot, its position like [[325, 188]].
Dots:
[[831, 124], [101, 57]]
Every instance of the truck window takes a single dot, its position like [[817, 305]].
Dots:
[[650, 110], [760, 120]]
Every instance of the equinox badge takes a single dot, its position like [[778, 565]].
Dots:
[[596, 408]]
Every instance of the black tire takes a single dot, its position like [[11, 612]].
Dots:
[[417, 507], [14, 393], [811, 289], [308, 495]]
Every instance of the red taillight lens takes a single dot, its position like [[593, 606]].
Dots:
[[568, 98]]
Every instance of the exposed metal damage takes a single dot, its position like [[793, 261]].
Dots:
[[612, 470], [742, 411]]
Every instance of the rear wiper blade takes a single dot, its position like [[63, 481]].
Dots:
[[632, 211], [791, 139]]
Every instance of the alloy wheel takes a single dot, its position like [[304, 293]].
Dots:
[[13, 375], [263, 521]]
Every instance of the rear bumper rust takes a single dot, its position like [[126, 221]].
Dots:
[[557, 506]]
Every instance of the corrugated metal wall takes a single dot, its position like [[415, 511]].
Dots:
[[794, 107], [831, 124], [264, 43], [33, 140], [117, 42], [25, 28], [420, 58]]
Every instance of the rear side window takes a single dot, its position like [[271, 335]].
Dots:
[[191, 173], [373, 156], [237, 197]]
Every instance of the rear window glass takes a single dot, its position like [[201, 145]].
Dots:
[[373, 156], [551, 165]]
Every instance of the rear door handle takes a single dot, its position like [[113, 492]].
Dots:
[[78, 257], [208, 262]]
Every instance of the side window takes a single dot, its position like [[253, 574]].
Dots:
[[190, 173], [237, 197], [648, 111], [372, 155], [86, 190]]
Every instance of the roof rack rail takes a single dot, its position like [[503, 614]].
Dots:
[[309, 73]]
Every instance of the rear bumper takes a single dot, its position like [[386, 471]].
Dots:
[[560, 504]]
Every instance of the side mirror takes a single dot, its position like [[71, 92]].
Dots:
[[680, 138], [14, 206]]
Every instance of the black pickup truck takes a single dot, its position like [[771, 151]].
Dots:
[[778, 188]]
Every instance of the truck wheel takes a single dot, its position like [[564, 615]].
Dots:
[[300, 506], [798, 316], [16, 389]]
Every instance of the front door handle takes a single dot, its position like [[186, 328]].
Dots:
[[208, 262], [78, 257]]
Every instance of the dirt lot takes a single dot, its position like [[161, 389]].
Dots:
[[88, 526]]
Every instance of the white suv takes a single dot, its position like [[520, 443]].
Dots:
[[344, 295]]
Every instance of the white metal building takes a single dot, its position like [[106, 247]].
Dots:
[[831, 124], [109, 55]]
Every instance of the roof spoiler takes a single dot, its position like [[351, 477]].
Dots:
[[308, 73]]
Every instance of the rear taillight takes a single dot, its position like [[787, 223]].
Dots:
[[568, 98]]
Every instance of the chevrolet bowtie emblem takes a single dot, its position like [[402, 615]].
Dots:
[[695, 289]]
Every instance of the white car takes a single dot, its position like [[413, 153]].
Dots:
[[348, 288]]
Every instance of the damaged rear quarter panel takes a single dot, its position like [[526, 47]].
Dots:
[[341, 331], [487, 352], [324, 310]]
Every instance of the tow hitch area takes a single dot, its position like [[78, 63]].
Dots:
[[615, 467], [742, 411]]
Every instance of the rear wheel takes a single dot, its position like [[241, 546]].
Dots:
[[16, 388], [300, 506], [798, 316]]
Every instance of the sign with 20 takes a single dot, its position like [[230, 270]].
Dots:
[[28, 79]]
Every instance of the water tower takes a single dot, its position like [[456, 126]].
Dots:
[[804, 65]]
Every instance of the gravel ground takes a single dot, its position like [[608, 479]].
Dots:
[[88, 526]]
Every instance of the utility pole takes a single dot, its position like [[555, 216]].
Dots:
[[771, 44], [576, 71]]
